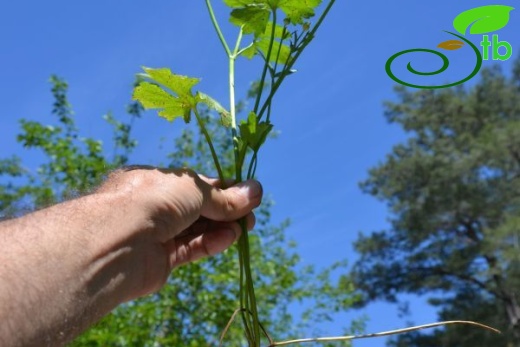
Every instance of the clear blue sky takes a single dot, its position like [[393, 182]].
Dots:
[[329, 114]]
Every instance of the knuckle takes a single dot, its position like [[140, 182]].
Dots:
[[187, 174], [191, 180], [131, 179], [188, 171], [230, 205]]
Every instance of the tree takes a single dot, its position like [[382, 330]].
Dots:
[[74, 163], [198, 300], [453, 190]]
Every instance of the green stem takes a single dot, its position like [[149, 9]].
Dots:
[[237, 44], [266, 65], [211, 148], [247, 292], [251, 288], [232, 112], [245, 48], [232, 106], [308, 38], [275, 67], [322, 17], [217, 27], [252, 165], [243, 297]]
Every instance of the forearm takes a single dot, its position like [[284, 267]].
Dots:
[[63, 268], [60, 269]]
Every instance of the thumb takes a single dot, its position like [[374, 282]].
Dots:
[[231, 203]]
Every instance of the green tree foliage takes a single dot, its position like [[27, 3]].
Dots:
[[453, 189], [196, 304], [72, 164]]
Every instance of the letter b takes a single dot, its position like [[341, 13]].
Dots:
[[496, 46]]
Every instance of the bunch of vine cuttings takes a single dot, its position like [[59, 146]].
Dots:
[[277, 32]]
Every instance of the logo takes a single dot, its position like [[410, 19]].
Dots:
[[480, 21]]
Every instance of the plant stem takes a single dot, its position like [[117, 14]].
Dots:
[[264, 71], [232, 110], [243, 250], [249, 311], [308, 38], [211, 148], [252, 166], [247, 291], [243, 295], [247, 294], [384, 333], [217, 28], [237, 44]]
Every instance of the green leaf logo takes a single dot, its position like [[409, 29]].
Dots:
[[482, 19]]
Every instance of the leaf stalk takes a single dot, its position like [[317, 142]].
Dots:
[[217, 27]]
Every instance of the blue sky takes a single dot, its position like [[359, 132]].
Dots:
[[329, 114]]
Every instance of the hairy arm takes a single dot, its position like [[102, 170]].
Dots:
[[64, 267]]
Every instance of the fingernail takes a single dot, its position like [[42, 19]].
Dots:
[[251, 188]]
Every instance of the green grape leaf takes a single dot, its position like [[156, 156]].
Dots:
[[152, 96], [170, 113], [278, 50], [253, 19], [298, 10], [179, 84], [225, 116], [254, 133], [483, 19], [280, 32], [250, 51], [251, 122], [263, 130], [239, 3]]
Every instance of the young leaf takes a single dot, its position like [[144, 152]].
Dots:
[[251, 122], [280, 32], [239, 3], [278, 50], [263, 46], [451, 45], [261, 43], [483, 19], [179, 84], [253, 133], [253, 19], [225, 116], [250, 51], [152, 96], [298, 10]]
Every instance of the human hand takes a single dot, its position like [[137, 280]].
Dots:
[[173, 217], [78, 260]]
